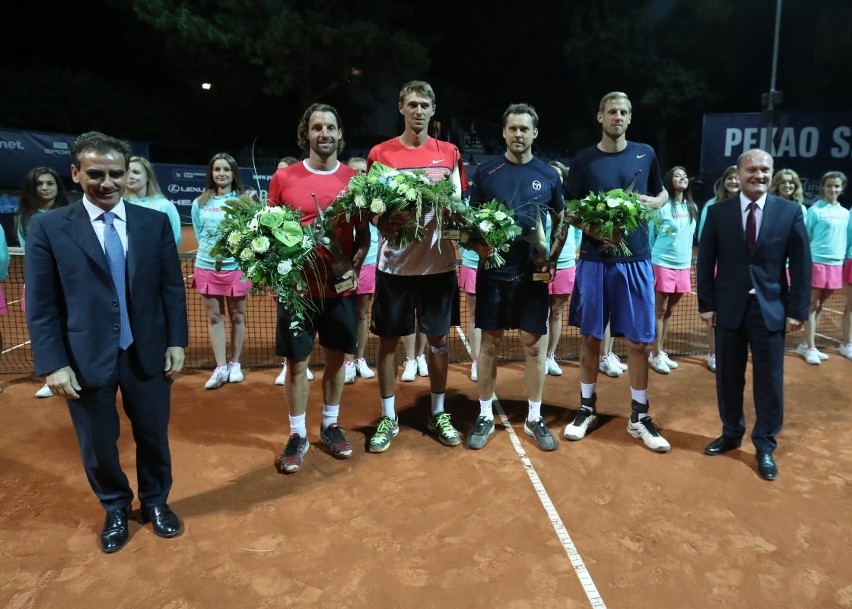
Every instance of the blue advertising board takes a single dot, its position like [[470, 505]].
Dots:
[[183, 183], [811, 143], [20, 151]]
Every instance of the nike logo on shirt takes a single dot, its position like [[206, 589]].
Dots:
[[639, 156], [436, 161]]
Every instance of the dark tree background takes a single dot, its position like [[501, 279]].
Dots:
[[134, 69]]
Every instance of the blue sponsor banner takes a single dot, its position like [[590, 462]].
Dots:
[[182, 184], [20, 151], [810, 143]]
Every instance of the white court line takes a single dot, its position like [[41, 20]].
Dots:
[[561, 532], [18, 346]]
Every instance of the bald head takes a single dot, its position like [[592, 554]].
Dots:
[[754, 168]]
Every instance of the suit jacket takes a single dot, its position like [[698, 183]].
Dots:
[[72, 311], [726, 270]]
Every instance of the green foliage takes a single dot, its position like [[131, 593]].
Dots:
[[293, 48]]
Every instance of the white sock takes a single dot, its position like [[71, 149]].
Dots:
[[534, 413], [329, 414], [389, 407], [587, 390], [486, 409], [297, 425], [437, 403]]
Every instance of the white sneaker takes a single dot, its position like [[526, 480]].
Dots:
[[645, 430], [44, 392], [669, 361], [614, 360], [608, 368], [422, 366], [235, 373], [310, 375], [802, 349], [585, 420], [218, 378], [658, 364], [551, 367], [348, 372], [282, 376], [409, 370], [363, 369], [846, 350], [711, 362], [812, 357], [474, 373]]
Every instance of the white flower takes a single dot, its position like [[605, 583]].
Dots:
[[360, 201], [253, 224], [234, 239], [485, 226], [500, 216], [284, 267], [260, 244], [377, 206], [246, 254], [611, 202]]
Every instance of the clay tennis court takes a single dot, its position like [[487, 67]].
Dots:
[[603, 522]]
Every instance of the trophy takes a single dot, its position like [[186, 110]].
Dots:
[[322, 229], [537, 239]]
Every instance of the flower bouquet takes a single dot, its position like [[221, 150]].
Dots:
[[271, 247], [493, 224], [611, 215], [386, 191]]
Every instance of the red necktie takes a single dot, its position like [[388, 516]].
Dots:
[[751, 227]]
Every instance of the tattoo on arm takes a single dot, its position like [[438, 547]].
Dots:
[[557, 236]]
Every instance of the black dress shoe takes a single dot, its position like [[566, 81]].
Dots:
[[163, 519], [766, 466], [722, 444], [115, 532]]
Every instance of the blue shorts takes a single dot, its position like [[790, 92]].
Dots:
[[511, 305], [432, 299], [621, 293], [335, 319]]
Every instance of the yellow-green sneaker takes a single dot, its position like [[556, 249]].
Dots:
[[385, 432], [447, 434]]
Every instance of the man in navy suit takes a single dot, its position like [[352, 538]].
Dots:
[[743, 291], [75, 312]]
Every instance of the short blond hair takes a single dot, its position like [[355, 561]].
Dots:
[[615, 95], [419, 87]]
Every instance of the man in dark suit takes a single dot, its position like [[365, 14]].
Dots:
[[99, 324], [743, 291]]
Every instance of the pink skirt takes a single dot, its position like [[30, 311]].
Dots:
[[847, 271], [367, 279], [221, 283], [826, 276], [467, 279], [671, 281], [3, 308], [563, 282]]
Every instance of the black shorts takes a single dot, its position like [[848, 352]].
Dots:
[[511, 305], [335, 319], [433, 298]]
